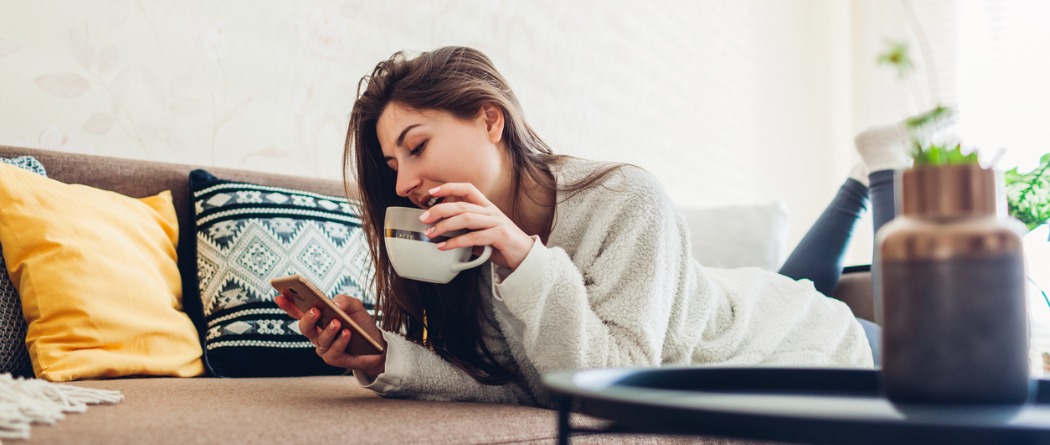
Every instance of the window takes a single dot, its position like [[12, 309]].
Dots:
[[1003, 78]]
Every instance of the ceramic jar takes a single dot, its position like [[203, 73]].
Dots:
[[951, 290]]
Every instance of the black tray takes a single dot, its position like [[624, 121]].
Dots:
[[792, 404]]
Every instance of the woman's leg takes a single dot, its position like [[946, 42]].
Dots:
[[818, 257], [883, 197], [883, 209], [884, 151], [873, 332]]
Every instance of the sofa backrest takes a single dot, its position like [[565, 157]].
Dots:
[[727, 236], [137, 179]]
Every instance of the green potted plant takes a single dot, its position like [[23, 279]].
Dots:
[[949, 263], [951, 275], [1027, 194]]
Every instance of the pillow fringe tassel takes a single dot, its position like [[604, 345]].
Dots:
[[27, 401]]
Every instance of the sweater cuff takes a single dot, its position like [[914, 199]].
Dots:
[[529, 272], [395, 368]]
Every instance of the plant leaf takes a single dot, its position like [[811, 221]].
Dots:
[[119, 93], [64, 85], [1028, 194], [8, 47], [99, 123], [934, 154], [81, 49], [108, 59], [921, 120], [896, 55]]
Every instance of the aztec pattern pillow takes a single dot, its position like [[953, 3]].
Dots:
[[14, 358], [248, 234]]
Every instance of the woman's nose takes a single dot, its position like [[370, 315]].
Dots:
[[406, 183]]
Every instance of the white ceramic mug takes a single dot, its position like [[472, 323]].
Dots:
[[415, 256]]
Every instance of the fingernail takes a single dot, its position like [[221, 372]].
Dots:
[[346, 333], [313, 313], [441, 244], [434, 190], [424, 216], [429, 230]]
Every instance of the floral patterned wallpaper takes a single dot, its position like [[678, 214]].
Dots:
[[267, 85], [195, 83], [727, 101]]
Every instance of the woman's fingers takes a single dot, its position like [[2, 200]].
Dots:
[[308, 324], [449, 209], [288, 307], [508, 251], [332, 349], [464, 190], [372, 364], [342, 340], [494, 235], [484, 223], [330, 341], [327, 336], [360, 316], [467, 221]]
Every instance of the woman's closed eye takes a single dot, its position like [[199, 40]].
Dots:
[[418, 149]]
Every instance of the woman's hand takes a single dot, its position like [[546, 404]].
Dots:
[[330, 341], [487, 224]]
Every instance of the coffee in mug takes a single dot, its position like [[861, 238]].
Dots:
[[415, 256]]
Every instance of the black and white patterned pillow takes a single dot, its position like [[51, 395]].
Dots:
[[14, 357], [248, 234]]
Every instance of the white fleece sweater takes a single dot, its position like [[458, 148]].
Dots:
[[615, 286]]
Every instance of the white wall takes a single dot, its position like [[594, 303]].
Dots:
[[727, 101], [803, 137]]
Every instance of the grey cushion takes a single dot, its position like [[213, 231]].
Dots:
[[14, 357]]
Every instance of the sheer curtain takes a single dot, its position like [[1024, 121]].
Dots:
[[1004, 78], [988, 58]]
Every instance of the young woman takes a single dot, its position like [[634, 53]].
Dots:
[[591, 262]]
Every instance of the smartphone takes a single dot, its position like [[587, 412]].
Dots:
[[305, 296]]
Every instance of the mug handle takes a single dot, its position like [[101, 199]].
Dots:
[[458, 267]]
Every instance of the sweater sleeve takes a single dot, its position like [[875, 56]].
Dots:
[[608, 304], [414, 372]]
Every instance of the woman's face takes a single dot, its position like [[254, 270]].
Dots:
[[429, 148]]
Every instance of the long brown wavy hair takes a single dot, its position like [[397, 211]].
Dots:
[[446, 318]]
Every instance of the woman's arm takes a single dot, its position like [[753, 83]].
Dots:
[[414, 372], [610, 303], [404, 369]]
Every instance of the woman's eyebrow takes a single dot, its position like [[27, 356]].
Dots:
[[401, 137]]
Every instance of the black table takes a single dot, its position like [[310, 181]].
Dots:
[[785, 404]]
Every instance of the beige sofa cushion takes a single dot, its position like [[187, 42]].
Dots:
[[752, 235]]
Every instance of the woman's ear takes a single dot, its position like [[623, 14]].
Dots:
[[493, 117]]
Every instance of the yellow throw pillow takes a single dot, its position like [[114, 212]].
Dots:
[[98, 278]]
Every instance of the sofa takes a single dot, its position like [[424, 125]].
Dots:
[[287, 409]]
